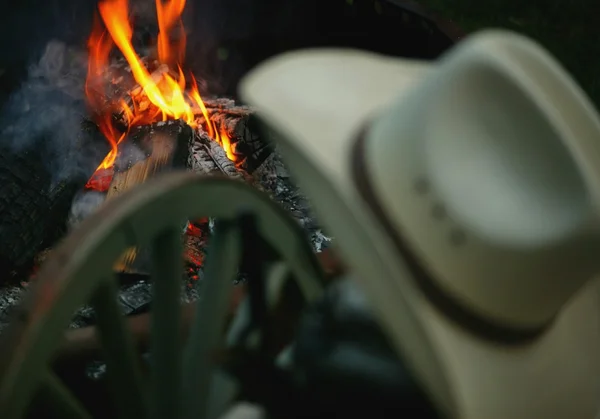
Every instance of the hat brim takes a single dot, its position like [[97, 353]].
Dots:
[[321, 99], [315, 103]]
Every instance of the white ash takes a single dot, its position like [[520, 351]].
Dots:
[[319, 240], [9, 298], [95, 370], [274, 178], [128, 155], [82, 317], [84, 204]]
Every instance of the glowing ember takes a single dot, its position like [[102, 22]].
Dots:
[[225, 142], [162, 95]]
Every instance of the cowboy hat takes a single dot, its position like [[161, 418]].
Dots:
[[463, 195]]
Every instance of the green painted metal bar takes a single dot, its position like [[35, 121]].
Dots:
[[207, 331], [71, 275], [165, 346], [59, 400], [123, 368], [223, 391]]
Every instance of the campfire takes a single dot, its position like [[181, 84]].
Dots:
[[161, 91], [151, 112], [86, 124], [154, 115]]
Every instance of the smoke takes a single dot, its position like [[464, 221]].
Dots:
[[85, 203], [46, 113]]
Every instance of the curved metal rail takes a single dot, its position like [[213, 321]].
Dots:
[[79, 272]]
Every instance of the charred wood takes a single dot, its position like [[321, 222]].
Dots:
[[149, 150], [240, 126], [135, 91], [130, 153], [228, 117], [208, 157], [273, 178], [116, 83], [33, 209], [248, 147]]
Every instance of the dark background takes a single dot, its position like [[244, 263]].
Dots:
[[569, 29], [226, 37]]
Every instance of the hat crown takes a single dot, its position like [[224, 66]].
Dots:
[[506, 224], [498, 164]]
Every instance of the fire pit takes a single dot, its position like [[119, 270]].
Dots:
[[131, 106]]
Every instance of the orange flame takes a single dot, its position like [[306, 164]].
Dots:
[[225, 142], [169, 16], [166, 94], [100, 46], [160, 97]]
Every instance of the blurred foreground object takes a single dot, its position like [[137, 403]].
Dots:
[[464, 196], [252, 235]]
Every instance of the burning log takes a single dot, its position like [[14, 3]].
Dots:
[[114, 84], [237, 126], [159, 92], [248, 148], [207, 157], [138, 158], [126, 101], [230, 123], [149, 150]]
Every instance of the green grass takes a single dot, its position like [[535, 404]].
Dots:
[[570, 30]]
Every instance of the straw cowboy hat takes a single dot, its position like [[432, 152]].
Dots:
[[464, 196]]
